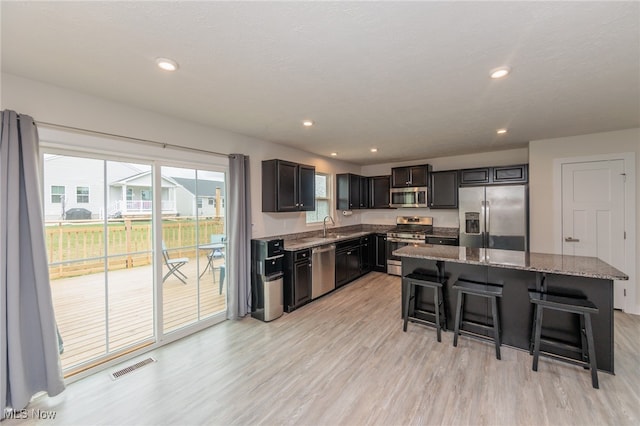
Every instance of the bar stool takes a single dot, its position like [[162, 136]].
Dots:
[[433, 282], [489, 291], [582, 307]]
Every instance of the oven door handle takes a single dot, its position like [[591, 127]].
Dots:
[[397, 240]]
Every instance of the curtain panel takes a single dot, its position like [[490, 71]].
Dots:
[[239, 236], [29, 358]]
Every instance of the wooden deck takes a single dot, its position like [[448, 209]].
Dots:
[[80, 305]]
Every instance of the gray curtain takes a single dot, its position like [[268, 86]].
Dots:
[[239, 226], [30, 362]]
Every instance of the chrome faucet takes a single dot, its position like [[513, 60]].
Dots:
[[324, 225]]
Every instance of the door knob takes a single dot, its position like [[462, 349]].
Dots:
[[572, 240]]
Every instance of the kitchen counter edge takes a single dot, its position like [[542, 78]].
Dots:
[[579, 266]]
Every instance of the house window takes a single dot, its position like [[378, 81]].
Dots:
[[323, 199], [82, 194], [145, 194], [129, 194], [211, 202], [57, 194], [199, 202]]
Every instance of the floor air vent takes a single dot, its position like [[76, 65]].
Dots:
[[117, 374]]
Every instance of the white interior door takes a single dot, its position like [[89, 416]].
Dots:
[[593, 214]]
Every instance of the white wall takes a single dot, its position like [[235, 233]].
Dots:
[[441, 218], [542, 154], [52, 104]]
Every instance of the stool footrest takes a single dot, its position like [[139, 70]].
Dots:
[[476, 336], [564, 359], [423, 322], [560, 345], [476, 324]]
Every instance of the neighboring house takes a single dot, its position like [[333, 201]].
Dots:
[[133, 196], [82, 188], [129, 190], [206, 197]]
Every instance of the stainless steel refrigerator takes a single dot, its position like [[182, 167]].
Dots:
[[494, 217]]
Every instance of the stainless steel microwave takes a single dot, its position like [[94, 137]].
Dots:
[[409, 197]]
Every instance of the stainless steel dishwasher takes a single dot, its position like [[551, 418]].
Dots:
[[323, 277]]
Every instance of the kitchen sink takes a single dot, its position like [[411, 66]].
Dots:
[[321, 240]]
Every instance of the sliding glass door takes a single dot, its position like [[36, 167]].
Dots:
[[112, 293], [100, 257], [194, 246]]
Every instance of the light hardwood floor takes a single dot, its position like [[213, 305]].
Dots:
[[79, 305], [344, 360]]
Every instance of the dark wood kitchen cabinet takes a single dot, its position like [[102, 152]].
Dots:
[[498, 175], [347, 261], [351, 193], [444, 190], [379, 192], [366, 249], [297, 279], [479, 176], [402, 177], [380, 253], [508, 174], [287, 186]]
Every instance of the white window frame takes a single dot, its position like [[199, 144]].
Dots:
[[78, 195], [328, 198], [62, 195]]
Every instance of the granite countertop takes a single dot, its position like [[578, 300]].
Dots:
[[315, 241], [303, 240], [580, 266]]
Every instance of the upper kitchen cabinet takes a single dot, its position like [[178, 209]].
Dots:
[[348, 191], [480, 176], [444, 190], [379, 192], [495, 175], [506, 174], [287, 186], [402, 177], [361, 192]]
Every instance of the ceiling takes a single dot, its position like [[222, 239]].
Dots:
[[410, 78]]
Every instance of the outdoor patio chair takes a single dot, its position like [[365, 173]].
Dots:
[[217, 252], [216, 246], [174, 265]]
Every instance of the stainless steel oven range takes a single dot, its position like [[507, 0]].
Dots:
[[408, 230]]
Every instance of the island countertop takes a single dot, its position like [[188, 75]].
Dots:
[[580, 266]]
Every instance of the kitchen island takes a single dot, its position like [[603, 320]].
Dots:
[[519, 272]]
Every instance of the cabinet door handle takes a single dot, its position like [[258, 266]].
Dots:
[[572, 240], [301, 204], [348, 252]]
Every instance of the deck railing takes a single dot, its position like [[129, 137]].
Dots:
[[78, 247]]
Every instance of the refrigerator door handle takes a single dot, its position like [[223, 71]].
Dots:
[[487, 214]]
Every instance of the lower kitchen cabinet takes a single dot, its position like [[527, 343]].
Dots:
[[353, 259], [347, 261], [366, 246], [379, 255], [297, 279]]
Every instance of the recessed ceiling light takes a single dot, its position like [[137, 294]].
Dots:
[[307, 123], [333, 154], [374, 149], [500, 72], [501, 131], [167, 64]]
